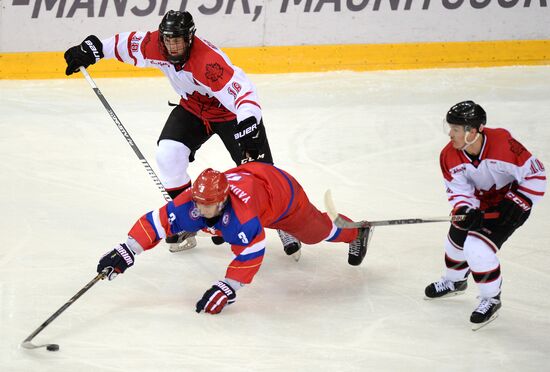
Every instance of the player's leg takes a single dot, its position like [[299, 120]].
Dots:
[[480, 250], [454, 280], [182, 135], [311, 226]]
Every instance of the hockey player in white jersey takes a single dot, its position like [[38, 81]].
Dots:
[[485, 170], [216, 98]]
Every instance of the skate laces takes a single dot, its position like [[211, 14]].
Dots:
[[287, 239], [443, 285], [485, 305]]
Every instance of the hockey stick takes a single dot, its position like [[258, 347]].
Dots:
[[191, 241], [27, 344], [345, 224]]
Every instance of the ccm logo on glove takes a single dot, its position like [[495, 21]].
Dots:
[[519, 201]]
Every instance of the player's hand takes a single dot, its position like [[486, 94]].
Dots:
[[214, 300], [472, 221], [116, 261], [87, 53], [250, 138], [514, 209]]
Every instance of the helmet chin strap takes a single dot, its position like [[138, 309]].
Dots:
[[468, 144]]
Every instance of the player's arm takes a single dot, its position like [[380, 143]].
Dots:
[[147, 232], [248, 246], [230, 85], [528, 189], [125, 47], [461, 196]]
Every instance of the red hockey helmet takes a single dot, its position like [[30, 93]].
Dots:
[[210, 187]]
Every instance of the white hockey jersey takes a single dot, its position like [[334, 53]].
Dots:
[[502, 163], [209, 85]]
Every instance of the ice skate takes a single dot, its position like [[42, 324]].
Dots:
[[486, 312], [445, 288], [182, 241], [291, 245], [358, 247]]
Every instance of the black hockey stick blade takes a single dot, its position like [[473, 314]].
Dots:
[[342, 223], [27, 344]]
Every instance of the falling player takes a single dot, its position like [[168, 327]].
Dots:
[[485, 170], [238, 204], [216, 97]]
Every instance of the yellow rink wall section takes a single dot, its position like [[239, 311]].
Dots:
[[311, 58]]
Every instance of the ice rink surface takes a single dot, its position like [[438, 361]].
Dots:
[[71, 187]]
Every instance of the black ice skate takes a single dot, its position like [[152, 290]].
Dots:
[[445, 288], [358, 247], [291, 245], [486, 312], [182, 241]]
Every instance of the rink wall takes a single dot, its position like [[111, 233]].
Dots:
[[272, 36]]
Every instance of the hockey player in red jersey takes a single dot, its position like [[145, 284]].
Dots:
[[216, 98], [238, 204], [485, 170]]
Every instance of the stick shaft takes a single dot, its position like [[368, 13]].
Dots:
[[345, 224], [126, 135], [65, 306]]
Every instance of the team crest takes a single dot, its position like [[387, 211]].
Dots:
[[516, 147], [214, 72], [194, 213], [225, 219]]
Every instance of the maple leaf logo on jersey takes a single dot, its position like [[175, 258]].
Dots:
[[214, 72], [516, 147]]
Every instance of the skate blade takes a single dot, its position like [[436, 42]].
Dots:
[[478, 326], [296, 255], [452, 294], [186, 245]]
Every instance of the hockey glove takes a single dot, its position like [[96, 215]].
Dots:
[[514, 209], [214, 300], [87, 53], [116, 261], [472, 221], [250, 137]]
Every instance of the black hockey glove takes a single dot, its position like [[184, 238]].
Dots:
[[116, 261], [87, 53], [473, 220], [514, 209], [250, 138], [214, 300]]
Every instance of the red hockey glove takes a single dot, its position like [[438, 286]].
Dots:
[[472, 221], [214, 300], [514, 209]]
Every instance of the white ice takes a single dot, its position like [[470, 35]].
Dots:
[[71, 187]]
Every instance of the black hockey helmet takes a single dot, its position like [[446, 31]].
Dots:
[[468, 114], [177, 24]]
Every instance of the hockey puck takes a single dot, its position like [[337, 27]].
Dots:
[[52, 347]]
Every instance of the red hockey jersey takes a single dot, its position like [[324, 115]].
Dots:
[[502, 163], [210, 86]]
